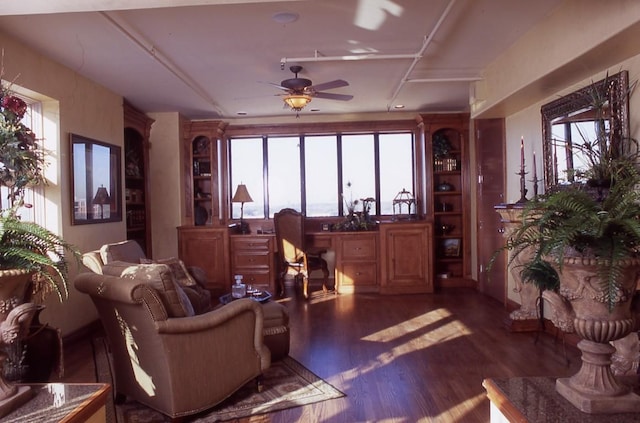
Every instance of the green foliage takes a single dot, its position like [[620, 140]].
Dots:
[[29, 246], [573, 222], [542, 274]]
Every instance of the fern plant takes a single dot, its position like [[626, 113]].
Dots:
[[573, 222], [29, 246]]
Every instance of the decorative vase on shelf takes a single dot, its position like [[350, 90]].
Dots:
[[15, 320], [581, 306]]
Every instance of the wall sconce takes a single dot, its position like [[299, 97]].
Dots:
[[101, 198], [242, 196]]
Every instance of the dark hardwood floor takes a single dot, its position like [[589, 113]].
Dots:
[[406, 358]]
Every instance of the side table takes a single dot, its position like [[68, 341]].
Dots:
[[64, 402]]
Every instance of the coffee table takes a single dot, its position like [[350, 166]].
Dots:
[[260, 296]]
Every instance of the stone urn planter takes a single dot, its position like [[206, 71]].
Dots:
[[581, 306], [15, 319]]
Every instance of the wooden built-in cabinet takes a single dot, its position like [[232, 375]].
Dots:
[[449, 188], [207, 248], [252, 256], [413, 256], [201, 170], [356, 262], [406, 258], [137, 129]]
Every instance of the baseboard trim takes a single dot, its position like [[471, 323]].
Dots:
[[81, 334]]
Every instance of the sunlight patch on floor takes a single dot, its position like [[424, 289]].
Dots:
[[469, 404], [408, 326]]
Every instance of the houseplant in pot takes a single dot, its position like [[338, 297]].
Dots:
[[592, 241], [33, 260]]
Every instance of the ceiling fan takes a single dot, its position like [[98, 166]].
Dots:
[[300, 91]]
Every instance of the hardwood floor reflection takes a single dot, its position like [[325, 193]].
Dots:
[[408, 358]]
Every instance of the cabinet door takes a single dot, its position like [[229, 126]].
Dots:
[[207, 249], [406, 254]]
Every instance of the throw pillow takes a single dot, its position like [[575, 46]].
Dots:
[[178, 268], [159, 277], [129, 251]]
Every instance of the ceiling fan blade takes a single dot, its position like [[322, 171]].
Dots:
[[329, 85], [275, 85], [332, 96]]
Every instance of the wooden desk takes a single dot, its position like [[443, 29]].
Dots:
[[64, 402], [395, 259]]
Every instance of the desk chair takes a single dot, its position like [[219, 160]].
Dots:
[[295, 259]]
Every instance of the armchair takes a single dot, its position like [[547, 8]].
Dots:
[[293, 255], [176, 365]]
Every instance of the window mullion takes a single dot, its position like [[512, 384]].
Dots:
[[265, 174], [303, 178], [340, 176]]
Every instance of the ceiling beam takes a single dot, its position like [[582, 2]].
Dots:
[[38, 7]]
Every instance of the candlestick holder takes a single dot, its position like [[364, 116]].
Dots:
[[523, 187], [535, 187]]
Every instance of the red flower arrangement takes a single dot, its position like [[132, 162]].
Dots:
[[21, 159]]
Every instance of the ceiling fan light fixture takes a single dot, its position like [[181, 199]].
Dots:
[[297, 101]]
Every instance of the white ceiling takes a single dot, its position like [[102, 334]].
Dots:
[[213, 59]]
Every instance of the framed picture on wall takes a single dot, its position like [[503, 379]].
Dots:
[[95, 181], [451, 247]]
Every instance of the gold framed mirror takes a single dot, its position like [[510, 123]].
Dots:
[[567, 121]]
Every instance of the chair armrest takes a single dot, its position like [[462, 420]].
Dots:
[[316, 251], [122, 290], [213, 318]]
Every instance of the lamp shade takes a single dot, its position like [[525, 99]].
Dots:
[[102, 196], [241, 195], [297, 101]]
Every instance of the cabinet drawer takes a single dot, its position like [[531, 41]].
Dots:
[[358, 273], [359, 248], [250, 243], [248, 259]]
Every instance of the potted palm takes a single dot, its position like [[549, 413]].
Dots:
[[33, 260]]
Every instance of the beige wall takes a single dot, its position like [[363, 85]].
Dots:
[[74, 105], [165, 168]]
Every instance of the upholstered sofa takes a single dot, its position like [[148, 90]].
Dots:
[[163, 354]]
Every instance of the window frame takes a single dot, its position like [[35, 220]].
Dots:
[[400, 127]]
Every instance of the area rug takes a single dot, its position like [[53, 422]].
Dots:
[[287, 384]]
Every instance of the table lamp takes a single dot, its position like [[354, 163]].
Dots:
[[242, 196], [101, 198]]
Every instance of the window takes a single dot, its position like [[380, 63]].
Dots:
[[321, 175], [247, 168], [284, 174], [317, 174]]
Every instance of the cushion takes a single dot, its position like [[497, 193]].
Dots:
[[129, 251], [178, 268], [159, 277]]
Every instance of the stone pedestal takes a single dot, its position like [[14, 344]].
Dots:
[[527, 317]]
